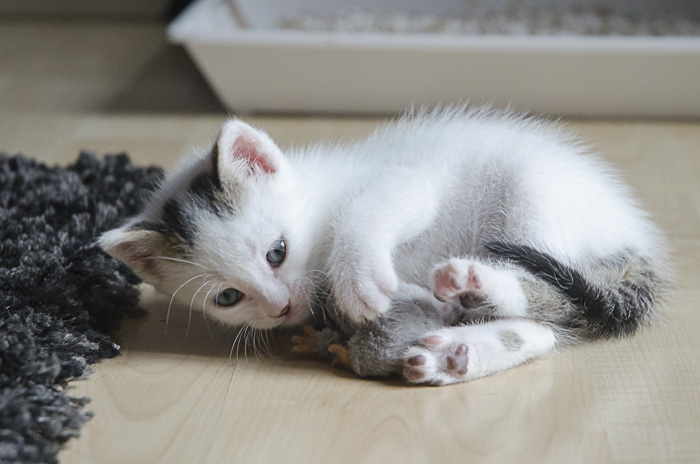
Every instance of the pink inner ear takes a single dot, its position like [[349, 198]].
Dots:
[[250, 151]]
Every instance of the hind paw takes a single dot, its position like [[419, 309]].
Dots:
[[437, 360]]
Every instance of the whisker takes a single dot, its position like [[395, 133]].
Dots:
[[321, 298], [240, 342], [261, 343], [189, 317], [177, 260], [322, 276], [273, 342], [319, 290], [268, 348], [172, 298], [204, 310], [234, 344], [306, 296], [246, 336], [254, 333]]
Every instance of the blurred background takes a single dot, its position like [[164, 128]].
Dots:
[[581, 58]]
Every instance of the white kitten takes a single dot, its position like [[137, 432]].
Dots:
[[500, 215]]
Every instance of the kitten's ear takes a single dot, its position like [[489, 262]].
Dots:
[[244, 151], [138, 249]]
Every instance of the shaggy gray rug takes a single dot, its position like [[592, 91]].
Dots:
[[59, 293]]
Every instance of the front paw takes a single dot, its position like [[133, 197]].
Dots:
[[363, 288]]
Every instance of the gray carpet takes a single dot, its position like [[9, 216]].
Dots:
[[59, 293]]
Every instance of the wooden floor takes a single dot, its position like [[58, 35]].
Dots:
[[177, 398]]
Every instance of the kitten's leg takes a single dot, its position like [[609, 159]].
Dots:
[[480, 286], [460, 354], [366, 230]]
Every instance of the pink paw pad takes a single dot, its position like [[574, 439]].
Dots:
[[436, 357], [473, 279], [446, 282], [455, 359], [433, 341], [413, 371], [473, 294], [466, 284]]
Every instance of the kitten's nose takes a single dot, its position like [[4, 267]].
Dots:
[[285, 310]]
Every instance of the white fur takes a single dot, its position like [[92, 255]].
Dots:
[[432, 186], [428, 189], [486, 352]]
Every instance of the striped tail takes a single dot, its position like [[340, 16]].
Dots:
[[615, 308]]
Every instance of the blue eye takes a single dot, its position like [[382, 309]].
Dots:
[[228, 297], [277, 253]]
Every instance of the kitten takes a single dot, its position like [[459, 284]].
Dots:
[[454, 244]]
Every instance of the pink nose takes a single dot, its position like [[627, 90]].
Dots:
[[285, 310]]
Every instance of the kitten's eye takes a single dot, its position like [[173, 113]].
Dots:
[[228, 297], [277, 253]]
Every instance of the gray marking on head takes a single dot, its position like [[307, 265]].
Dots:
[[205, 190], [204, 187], [511, 340], [177, 221], [178, 214]]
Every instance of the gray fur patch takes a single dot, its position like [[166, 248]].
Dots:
[[205, 191], [177, 221], [377, 347], [178, 218], [511, 340]]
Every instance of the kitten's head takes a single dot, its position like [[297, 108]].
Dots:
[[224, 234]]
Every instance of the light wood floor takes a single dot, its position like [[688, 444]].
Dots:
[[174, 398]]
